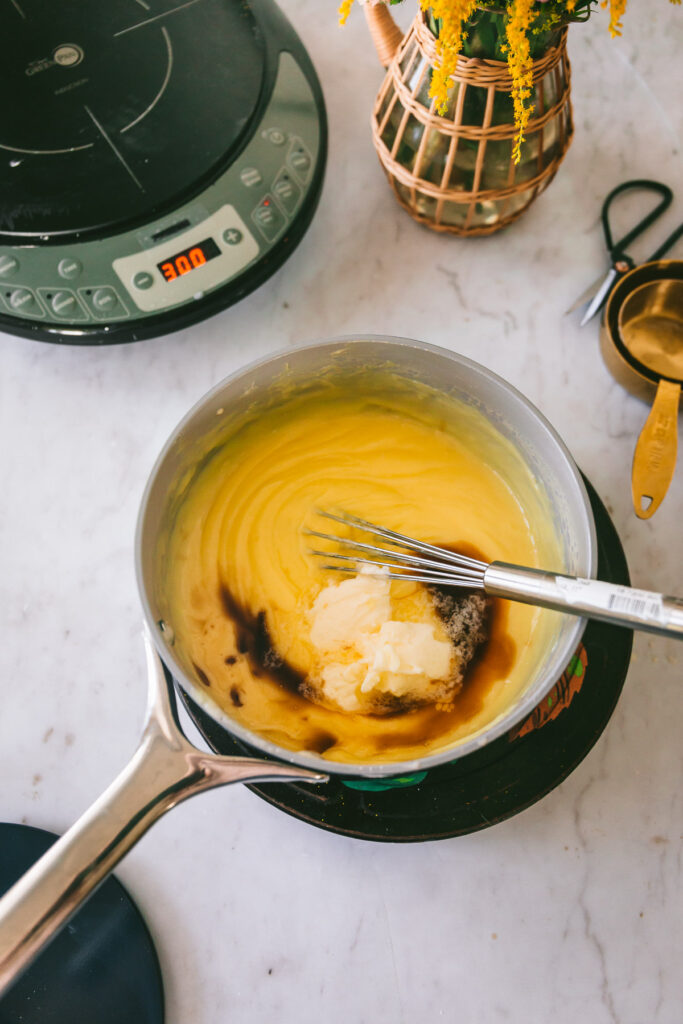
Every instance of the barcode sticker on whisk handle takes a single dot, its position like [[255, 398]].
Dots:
[[642, 604], [638, 602]]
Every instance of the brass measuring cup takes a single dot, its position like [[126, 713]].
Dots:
[[642, 343]]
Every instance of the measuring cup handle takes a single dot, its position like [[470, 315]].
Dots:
[[654, 459], [164, 770]]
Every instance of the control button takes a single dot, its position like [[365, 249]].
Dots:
[[103, 302], [268, 218], [274, 135], [63, 304], [8, 265], [250, 177], [22, 300], [286, 191], [104, 299], [299, 160], [143, 280], [69, 268], [233, 236]]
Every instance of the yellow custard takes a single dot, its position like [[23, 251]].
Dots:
[[241, 584]]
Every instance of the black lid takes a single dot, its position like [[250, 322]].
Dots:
[[114, 111], [101, 968]]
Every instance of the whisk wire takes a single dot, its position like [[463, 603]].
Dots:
[[355, 560], [411, 560], [452, 580], [401, 540]]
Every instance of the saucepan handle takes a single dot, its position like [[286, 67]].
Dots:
[[164, 770]]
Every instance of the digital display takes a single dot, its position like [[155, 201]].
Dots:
[[189, 259]]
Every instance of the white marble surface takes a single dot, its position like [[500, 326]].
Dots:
[[570, 911]]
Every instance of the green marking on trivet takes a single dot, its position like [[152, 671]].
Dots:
[[576, 666], [550, 702], [381, 784]]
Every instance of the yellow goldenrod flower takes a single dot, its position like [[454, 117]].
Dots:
[[345, 10], [453, 15], [616, 12], [520, 65]]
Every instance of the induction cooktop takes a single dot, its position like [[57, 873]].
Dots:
[[158, 161]]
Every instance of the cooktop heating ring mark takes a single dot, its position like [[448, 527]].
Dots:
[[148, 21], [46, 152], [131, 124], [109, 142], [158, 96]]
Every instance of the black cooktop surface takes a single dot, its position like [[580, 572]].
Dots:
[[114, 111], [101, 968]]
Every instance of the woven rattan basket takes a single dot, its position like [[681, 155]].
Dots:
[[455, 172]]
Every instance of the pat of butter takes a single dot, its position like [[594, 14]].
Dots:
[[345, 610], [404, 649], [365, 650]]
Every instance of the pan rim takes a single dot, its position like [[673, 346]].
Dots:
[[498, 726]]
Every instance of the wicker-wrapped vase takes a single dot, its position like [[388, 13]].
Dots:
[[456, 172]]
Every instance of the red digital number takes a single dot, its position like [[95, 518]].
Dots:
[[197, 257], [183, 265], [169, 271]]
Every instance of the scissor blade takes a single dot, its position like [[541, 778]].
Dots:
[[600, 297], [586, 295]]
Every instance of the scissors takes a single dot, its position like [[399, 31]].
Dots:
[[596, 295]]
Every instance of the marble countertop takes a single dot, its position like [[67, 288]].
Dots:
[[569, 911]]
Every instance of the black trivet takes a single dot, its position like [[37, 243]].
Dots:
[[101, 968], [490, 785]]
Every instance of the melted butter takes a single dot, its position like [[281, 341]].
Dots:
[[240, 580]]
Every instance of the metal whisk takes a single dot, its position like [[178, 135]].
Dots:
[[426, 563]]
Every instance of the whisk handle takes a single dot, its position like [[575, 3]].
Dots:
[[609, 602]]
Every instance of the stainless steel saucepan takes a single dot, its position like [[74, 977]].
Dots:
[[166, 768]]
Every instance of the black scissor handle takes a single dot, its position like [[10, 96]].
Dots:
[[666, 245], [616, 250]]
